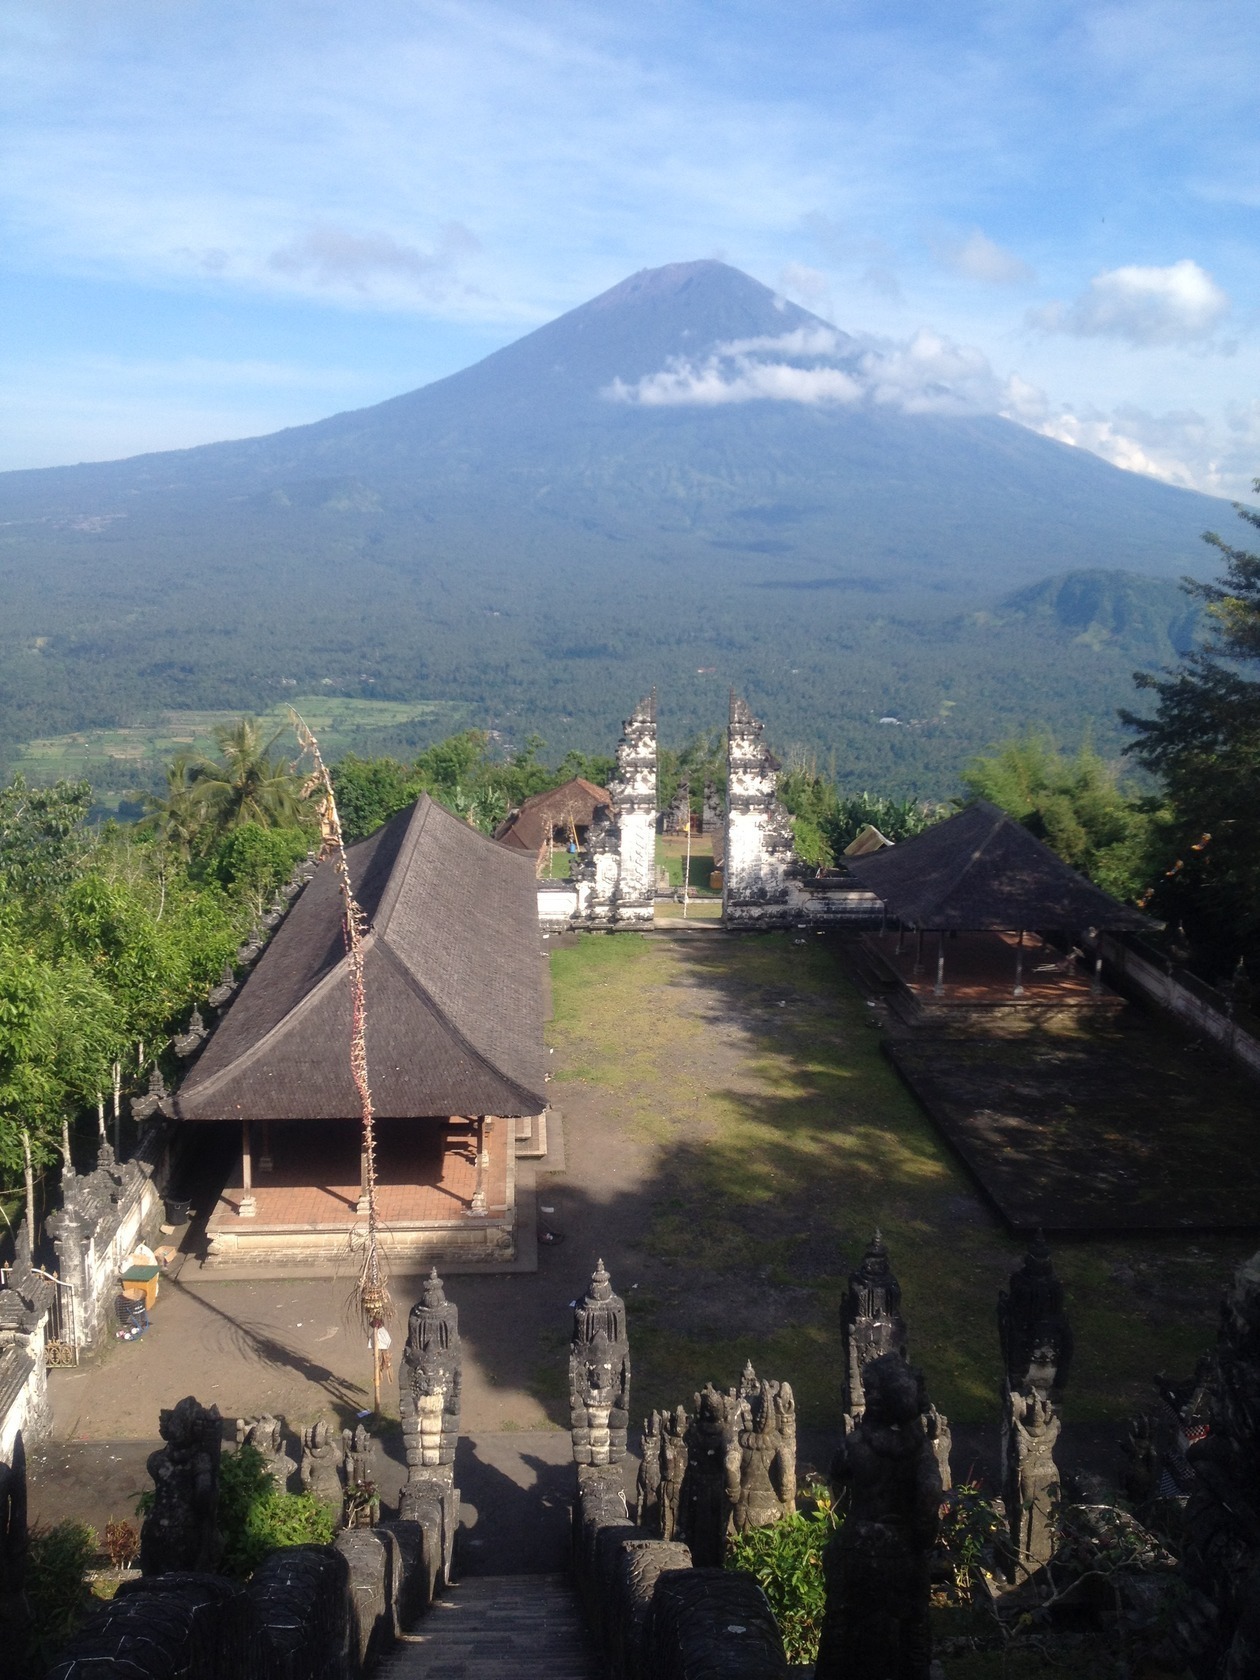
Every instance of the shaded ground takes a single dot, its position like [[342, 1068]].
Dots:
[[1125, 1125]]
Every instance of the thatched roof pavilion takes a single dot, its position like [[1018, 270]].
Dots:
[[452, 974], [983, 870], [455, 997]]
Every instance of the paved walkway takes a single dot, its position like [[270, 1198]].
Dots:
[[514, 1627]]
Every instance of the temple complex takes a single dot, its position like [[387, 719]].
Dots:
[[455, 1056]]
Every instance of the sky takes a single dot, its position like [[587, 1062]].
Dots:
[[220, 219]]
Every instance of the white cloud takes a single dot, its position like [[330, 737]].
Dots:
[[926, 374], [976, 257], [1180, 304], [333, 256], [732, 375]]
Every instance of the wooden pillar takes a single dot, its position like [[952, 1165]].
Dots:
[[248, 1207], [918, 953], [939, 987], [1095, 984], [1019, 965], [265, 1162], [478, 1204]]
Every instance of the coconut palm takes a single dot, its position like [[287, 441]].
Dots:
[[245, 784], [178, 816]]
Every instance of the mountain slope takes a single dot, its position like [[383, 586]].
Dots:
[[516, 538]]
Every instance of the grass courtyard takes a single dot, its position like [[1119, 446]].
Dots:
[[747, 1072]]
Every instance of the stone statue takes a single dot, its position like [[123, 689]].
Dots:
[[432, 1371], [763, 1487], [878, 1565], [871, 1324], [1033, 1325], [323, 1462], [673, 1472], [712, 1476], [266, 1435], [180, 1531], [363, 1503], [599, 1375], [1030, 1477], [647, 1503]]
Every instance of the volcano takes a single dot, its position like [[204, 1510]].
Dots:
[[686, 478]]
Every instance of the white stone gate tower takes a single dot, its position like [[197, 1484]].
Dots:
[[617, 880], [758, 829]]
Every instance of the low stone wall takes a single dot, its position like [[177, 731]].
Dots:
[[657, 1617], [103, 1215], [307, 1613], [557, 903], [1139, 967], [25, 1301]]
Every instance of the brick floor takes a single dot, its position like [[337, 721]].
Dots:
[[426, 1172], [980, 968]]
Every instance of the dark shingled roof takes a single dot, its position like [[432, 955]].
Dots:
[[452, 974], [983, 870], [529, 827]]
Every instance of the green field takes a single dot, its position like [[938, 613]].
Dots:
[[124, 764]]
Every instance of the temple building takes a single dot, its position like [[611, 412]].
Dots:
[[981, 915], [454, 986], [560, 818]]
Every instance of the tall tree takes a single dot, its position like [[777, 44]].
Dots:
[[1077, 805], [1204, 743], [245, 784]]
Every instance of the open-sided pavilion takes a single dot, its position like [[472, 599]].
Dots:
[[454, 987], [979, 914]]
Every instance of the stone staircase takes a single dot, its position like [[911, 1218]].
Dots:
[[498, 1627]]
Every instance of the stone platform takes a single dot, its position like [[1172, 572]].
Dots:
[[306, 1199], [978, 986]]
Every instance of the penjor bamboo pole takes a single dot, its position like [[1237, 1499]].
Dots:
[[373, 1293]]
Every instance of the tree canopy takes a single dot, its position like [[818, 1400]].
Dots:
[[1203, 742], [1078, 806]]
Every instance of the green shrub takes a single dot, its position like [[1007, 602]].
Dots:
[[255, 1517], [786, 1559], [56, 1562]]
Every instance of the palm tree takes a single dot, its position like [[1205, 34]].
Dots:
[[178, 816], [245, 784]]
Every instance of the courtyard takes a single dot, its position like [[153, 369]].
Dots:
[[730, 1134]]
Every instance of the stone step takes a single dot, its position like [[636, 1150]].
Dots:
[[490, 1627]]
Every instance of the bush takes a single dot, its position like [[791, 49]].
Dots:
[[255, 1517], [786, 1560], [121, 1543], [56, 1561]]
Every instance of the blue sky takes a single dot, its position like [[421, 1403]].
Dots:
[[219, 219]]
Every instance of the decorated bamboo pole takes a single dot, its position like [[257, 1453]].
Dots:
[[372, 1293]]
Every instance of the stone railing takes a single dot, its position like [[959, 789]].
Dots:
[[314, 1612], [1140, 967]]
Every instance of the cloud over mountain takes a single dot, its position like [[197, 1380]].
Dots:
[[1179, 304], [927, 374]]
